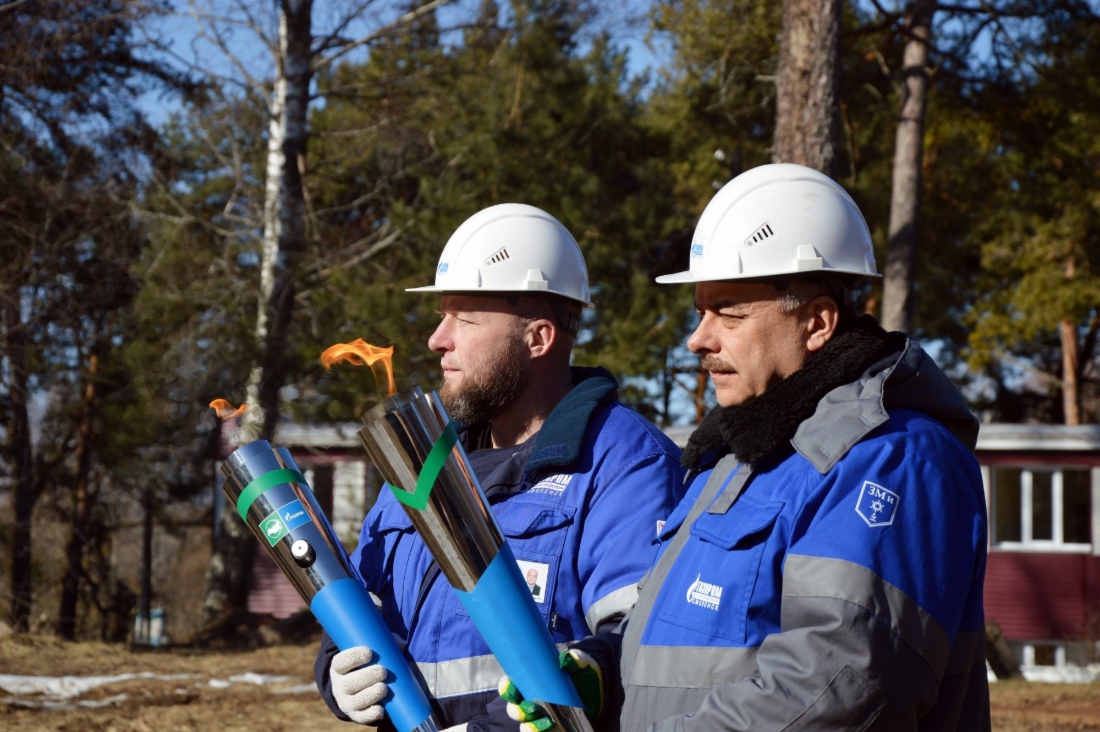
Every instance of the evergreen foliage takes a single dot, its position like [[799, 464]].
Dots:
[[138, 246]]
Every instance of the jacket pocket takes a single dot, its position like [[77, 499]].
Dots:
[[536, 532], [711, 583]]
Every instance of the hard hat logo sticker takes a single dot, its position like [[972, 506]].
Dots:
[[696, 250], [443, 266]]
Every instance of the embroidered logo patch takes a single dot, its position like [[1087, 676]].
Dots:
[[704, 594], [553, 484], [877, 505]]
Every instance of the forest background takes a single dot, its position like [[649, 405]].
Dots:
[[195, 214]]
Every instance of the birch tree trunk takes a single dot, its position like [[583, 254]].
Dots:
[[22, 462], [229, 575], [897, 289], [807, 116]]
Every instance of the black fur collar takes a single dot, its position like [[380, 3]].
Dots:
[[765, 424]]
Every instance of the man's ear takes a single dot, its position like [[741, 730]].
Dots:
[[540, 336], [821, 316]]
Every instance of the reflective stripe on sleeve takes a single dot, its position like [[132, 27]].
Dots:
[[617, 602], [461, 676], [806, 576], [691, 667]]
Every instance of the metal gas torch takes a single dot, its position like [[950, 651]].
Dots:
[[411, 440], [274, 500]]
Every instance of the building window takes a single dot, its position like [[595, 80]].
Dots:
[[1041, 508]]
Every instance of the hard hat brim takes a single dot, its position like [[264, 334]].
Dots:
[[687, 276], [678, 278], [496, 293]]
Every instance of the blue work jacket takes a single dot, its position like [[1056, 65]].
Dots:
[[580, 504], [835, 585]]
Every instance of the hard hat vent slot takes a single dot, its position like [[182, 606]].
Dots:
[[761, 233], [498, 256]]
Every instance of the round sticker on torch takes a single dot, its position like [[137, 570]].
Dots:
[[535, 574]]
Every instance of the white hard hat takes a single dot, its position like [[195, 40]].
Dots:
[[776, 220], [512, 247]]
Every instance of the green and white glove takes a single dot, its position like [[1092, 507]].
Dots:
[[585, 674]]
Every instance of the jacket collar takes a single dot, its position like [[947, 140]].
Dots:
[[765, 425], [836, 400], [561, 437]]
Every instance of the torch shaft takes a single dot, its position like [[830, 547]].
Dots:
[[410, 439], [407, 439], [276, 503]]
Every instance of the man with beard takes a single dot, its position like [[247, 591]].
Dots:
[[577, 481], [825, 570]]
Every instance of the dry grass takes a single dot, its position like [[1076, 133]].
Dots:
[[1019, 706], [150, 704], [193, 704]]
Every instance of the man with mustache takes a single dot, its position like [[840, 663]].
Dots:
[[824, 571], [578, 482]]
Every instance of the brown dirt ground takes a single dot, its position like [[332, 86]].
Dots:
[[191, 704]]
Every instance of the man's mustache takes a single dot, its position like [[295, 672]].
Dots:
[[713, 363]]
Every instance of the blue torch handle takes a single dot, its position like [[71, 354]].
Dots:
[[503, 610], [348, 615]]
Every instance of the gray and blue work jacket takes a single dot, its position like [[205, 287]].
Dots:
[[834, 586]]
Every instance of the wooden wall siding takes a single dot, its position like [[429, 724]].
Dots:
[[271, 592], [1043, 596]]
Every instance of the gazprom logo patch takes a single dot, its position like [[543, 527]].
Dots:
[[553, 484], [877, 505], [704, 594], [696, 250], [443, 267]]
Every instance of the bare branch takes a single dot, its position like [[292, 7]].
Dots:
[[375, 35]]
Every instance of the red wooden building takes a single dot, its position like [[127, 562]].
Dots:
[[336, 467], [1042, 489], [1042, 582]]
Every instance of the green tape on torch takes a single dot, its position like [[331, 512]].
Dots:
[[253, 490], [430, 472]]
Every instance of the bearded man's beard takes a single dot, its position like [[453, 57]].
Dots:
[[489, 389]]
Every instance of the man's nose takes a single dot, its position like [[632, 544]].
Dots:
[[701, 341], [440, 341]]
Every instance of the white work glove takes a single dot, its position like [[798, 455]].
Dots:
[[359, 688]]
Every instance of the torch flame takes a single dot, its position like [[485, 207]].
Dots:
[[361, 353], [225, 410]]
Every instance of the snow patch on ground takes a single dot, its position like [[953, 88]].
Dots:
[[66, 687], [58, 693], [1056, 674], [1063, 674]]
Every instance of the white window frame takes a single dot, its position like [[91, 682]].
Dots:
[[1027, 653], [1027, 543]]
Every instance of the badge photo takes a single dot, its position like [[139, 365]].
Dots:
[[535, 574]]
